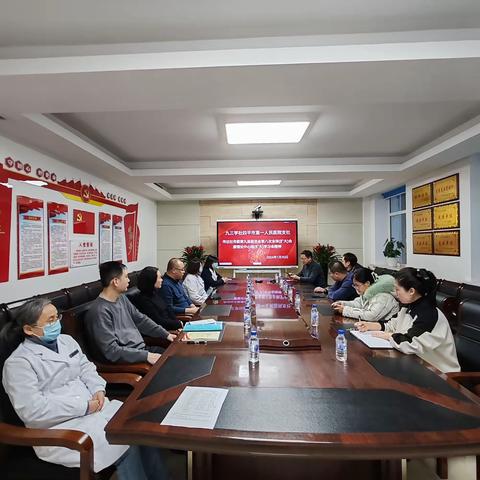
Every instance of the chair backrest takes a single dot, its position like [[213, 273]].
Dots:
[[73, 324], [132, 294], [94, 289], [133, 276], [59, 298], [467, 337], [448, 288], [469, 292], [77, 295], [384, 271]]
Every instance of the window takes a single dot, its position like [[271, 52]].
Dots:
[[397, 221]]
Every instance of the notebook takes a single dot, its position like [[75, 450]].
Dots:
[[370, 341]]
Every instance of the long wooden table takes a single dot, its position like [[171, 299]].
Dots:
[[379, 405]]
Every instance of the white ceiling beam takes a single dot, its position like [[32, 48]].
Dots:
[[369, 51]]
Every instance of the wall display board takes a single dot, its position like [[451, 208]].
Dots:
[[30, 234], [57, 238], [5, 228], [428, 224], [118, 242], [105, 237]]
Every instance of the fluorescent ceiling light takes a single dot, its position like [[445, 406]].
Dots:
[[250, 183], [265, 132], [37, 183]]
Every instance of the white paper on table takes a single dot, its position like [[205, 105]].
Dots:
[[196, 407], [370, 341], [205, 321]]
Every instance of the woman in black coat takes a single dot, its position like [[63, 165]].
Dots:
[[150, 302], [210, 276]]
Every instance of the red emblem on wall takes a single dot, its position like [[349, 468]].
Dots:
[[85, 193]]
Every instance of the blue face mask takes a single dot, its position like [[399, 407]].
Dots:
[[215, 265], [51, 332]]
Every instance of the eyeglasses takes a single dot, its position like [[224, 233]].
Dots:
[[180, 269], [51, 322]]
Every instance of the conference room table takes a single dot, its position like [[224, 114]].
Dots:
[[300, 412]]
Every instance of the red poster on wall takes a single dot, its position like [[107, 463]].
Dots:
[[83, 222], [30, 243], [5, 225], [57, 238], [105, 237]]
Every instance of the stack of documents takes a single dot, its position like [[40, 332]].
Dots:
[[207, 325]]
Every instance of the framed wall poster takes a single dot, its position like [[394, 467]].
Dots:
[[422, 196], [446, 216], [423, 243], [105, 237], [447, 243], [30, 237], [57, 214], [422, 219], [83, 222], [446, 189]]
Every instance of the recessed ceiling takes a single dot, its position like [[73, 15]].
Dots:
[[392, 89]]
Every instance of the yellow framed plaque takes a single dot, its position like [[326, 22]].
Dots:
[[446, 189], [423, 243], [446, 216], [447, 243], [422, 196], [422, 219]]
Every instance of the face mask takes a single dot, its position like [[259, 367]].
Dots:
[[215, 265], [51, 332]]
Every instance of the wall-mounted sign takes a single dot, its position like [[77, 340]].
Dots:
[[83, 222], [446, 243], [446, 189], [30, 245], [83, 252], [446, 216], [118, 253], [423, 243], [422, 219], [57, 238], [5, 226], [105, 236], [422, 196]]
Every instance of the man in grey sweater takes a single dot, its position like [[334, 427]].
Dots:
[[115, 327]]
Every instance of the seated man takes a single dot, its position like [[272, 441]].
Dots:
[[342, 289], [311, 272], [115, 326], [172, 290], [350, 261]]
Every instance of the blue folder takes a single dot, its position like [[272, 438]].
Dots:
[[204, 327]]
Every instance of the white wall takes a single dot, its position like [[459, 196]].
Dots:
[[375, 229], [16, 289], [178, 226], [340, 224]]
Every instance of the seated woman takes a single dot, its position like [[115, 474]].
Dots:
[[376, 301], [210, 276], [52, 384], [151, 303], [193, 283], [419, 327]]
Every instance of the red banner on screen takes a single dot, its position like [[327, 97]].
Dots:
[[83, 222], [266, 243]]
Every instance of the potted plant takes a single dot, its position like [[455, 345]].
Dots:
[[392, 250], [324, 254], [195, 252]]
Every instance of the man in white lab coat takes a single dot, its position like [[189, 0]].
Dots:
[[52, 384]]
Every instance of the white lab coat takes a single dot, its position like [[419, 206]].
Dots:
[[52, 390]]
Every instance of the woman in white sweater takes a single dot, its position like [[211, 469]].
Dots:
[[420, 327], [376, 301], [193, 283]]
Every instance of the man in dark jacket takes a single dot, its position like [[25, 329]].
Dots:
[[350, 261], [342, 289], [311, 272]]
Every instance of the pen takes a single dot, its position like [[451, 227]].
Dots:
[[197, 342]]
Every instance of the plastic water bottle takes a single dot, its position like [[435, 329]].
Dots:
[[341, 347], [297, 302], [314, 316], [290, 294], [247, 319], [277, 277], [254, 348]]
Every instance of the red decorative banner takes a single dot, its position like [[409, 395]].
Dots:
[[57, 238], [132, 233], [83, 222], [30, 243], [5, 226], [105, 237]]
